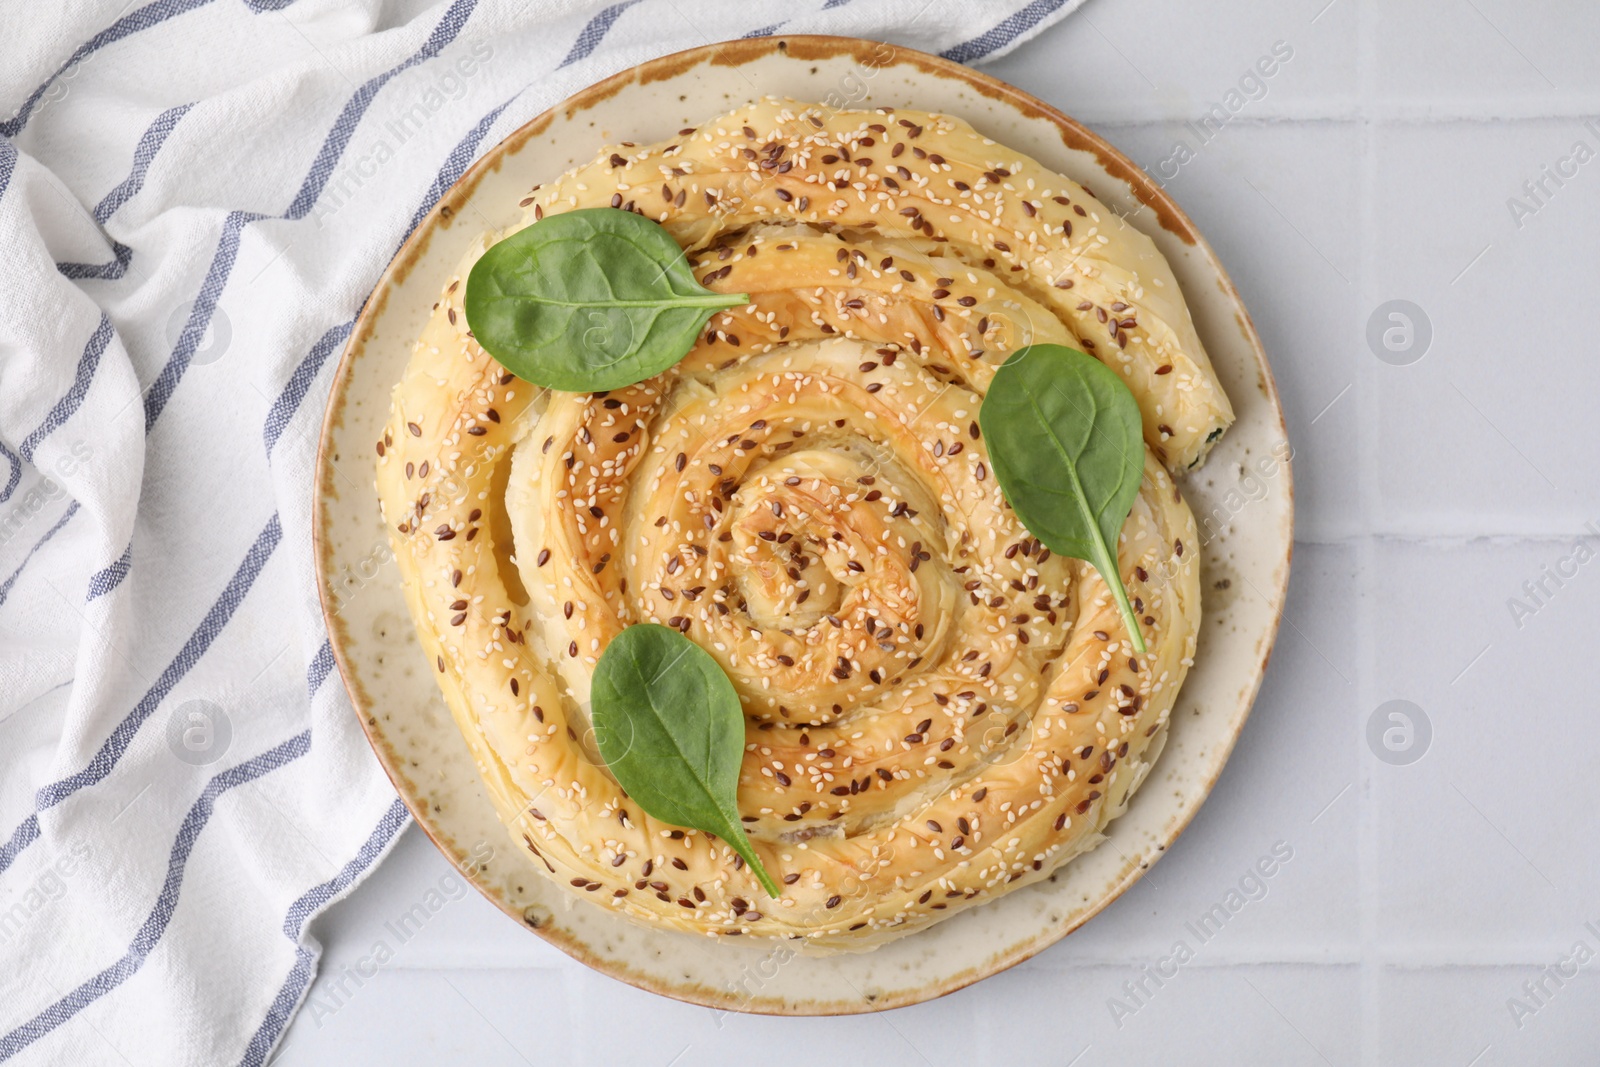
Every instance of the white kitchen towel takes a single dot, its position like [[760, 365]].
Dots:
[[196, 196]]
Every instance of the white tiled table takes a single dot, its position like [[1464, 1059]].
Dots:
[[1420, 897]]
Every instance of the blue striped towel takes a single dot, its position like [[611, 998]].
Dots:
[[193, 210]]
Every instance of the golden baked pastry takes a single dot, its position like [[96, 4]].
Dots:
[[939, 710]]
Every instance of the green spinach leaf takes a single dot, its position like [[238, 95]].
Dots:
[[1065, 443], [588, 300], [668, 723]]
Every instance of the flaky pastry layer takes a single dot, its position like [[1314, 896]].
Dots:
[[939, 709]]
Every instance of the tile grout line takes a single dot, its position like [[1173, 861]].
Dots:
[[1370, 975], [1457, 540], [1423, 115]]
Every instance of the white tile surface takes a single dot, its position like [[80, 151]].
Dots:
[[1457, 818], [1493, 56], [1206, 1015], [1420, 898], [1504, 381]]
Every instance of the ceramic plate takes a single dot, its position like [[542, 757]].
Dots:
[[1243, 499]]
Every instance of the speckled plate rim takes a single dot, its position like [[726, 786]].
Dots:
[[732, 54]]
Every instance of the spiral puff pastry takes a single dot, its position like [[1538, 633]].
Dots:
[[939, 710]]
